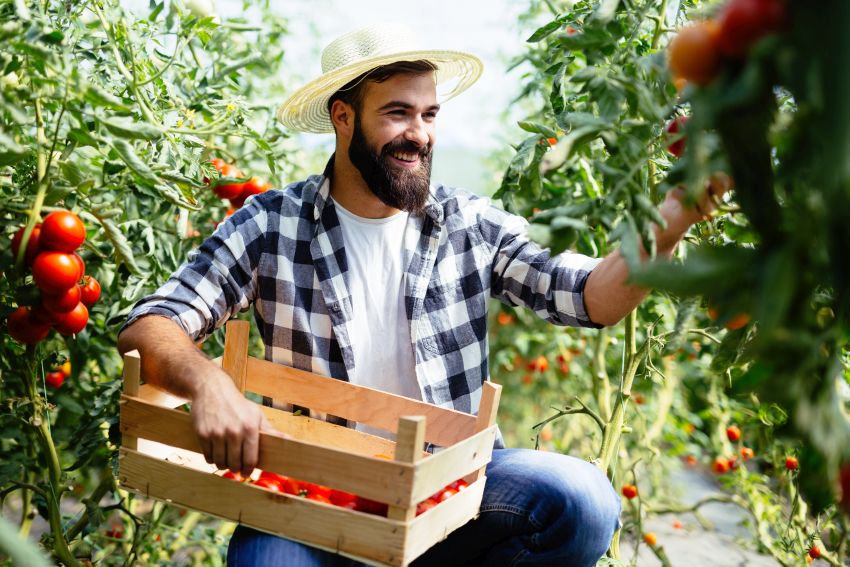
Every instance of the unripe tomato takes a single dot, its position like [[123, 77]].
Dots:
[[25, 328], [66, 368], [814, 552], [733, 433], [55, 272], [693, 53], [62, 231], [229, 190], [504, 318], [33, 244], [90, 291], [743, 22], [676, 141], [791, 463], [74, 321], [629, 491], [650, 538], [62, 302], [54, 379]]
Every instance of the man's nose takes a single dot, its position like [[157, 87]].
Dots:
[[417, 132]]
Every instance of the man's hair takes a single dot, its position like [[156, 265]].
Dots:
[[352, 92]]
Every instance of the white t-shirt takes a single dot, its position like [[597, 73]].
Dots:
[[380, 341]]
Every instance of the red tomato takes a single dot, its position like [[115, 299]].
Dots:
[[233, 476], [62, 302], [720, 465], [792, 464], [33, 244], [235, 204], [316, 489], [55, 379], [55, 272], [268, 483], [319, 498], [90, 291], [733, 433], [255, 186], [25, 328], [743, 22], [693, 53], [228, 190], [673, 130], [446, 493], [292, 486], [814, 552], [629, 491], [344, 499], [74, 321], [459, 484], [274, 476], [747, 453], [424, 506], [62, 231], [370, 506], [80, 264]]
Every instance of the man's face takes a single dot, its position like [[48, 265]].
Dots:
[[393, 138]]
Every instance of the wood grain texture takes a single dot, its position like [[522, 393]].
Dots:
[[235, 358]]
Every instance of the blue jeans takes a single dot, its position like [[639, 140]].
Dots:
[[538, 509]]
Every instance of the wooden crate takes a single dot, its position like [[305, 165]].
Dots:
[[160, 457]]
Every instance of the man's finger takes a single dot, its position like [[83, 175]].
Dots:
[[250, 452], [234, 454], [219, 452]]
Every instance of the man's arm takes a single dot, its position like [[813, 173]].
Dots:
[[226, 423], [607, 296]]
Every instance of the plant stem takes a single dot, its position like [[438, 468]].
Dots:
[[601, 385], [41, 171], [659, 24], [614, 427]]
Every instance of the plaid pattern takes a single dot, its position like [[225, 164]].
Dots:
[[283, 252]]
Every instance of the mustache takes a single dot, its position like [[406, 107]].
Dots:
[[406, 146]]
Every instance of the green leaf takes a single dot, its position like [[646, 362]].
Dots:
[[120, 244], [537, 128], [128, 128], [606, 10], [100, 98], [129, 156], [71, 172], [545, 31]]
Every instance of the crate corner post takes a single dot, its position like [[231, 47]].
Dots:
[[409, 442], [235, 358], [132, 376]]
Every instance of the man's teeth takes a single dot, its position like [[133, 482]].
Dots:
[[405, 156]]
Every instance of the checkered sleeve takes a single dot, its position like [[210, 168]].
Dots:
[[525, 274], [218, 280]]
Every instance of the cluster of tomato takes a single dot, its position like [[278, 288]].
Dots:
[[66, 292], [326, 495], [56, 377], [230, 187], [722, 465], [700, 50]]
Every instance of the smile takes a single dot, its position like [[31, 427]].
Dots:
[[405, 159]]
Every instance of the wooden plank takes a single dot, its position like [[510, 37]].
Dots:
[[452, 463], [389, 482], [235, 359], [327, 434], [408, 449], [434, 525], [355, 534], [132, 381], [159, 397], [364, 405], [487, 410]]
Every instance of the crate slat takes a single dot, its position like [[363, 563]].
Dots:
[[453, 463], [351, 533], [389, 482], [434, 525], [364, 405]]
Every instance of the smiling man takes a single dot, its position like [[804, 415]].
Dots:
[[372, 274]]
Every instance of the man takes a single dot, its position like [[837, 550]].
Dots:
[[368, 273]]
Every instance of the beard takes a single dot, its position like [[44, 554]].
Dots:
[[403, 189]]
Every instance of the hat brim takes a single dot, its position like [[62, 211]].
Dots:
[[306, 109]]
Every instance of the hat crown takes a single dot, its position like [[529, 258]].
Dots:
[[373, 41]]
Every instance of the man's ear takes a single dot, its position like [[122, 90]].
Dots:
[[342, 116]]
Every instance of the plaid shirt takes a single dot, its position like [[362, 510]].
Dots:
[[283, 252]]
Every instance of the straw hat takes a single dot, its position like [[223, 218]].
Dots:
[[351, 55]]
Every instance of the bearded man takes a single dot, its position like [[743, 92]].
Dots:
[[372, 274]]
